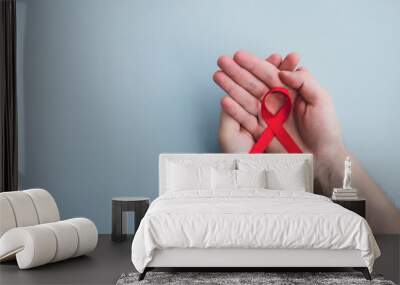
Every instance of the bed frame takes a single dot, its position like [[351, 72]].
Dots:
[[236, 259]]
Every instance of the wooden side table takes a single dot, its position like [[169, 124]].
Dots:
[[120, 205], [357, 206]]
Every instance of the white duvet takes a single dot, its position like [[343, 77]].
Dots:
[[251, 218]]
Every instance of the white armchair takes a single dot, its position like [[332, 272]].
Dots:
[[31, 230]]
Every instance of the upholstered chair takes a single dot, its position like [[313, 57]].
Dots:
[[31, 231]]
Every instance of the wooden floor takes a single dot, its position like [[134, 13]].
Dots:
[[111, 259]]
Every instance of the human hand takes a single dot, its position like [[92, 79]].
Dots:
[[246, 79], [320, 131], [314, 125], [314, 114], [233, 137]]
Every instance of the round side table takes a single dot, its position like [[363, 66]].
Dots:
[[120, 205]]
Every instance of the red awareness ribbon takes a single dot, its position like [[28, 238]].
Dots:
[[275, 124]]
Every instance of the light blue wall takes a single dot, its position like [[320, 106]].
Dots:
[[105, 86]]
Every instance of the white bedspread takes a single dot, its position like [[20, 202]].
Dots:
[[250, 218]]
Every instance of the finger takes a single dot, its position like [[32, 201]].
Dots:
[[228, 125], [265, 71], [247, 121], [275, 59], [305, 83], [228, 130], [241, 76], [232, 137], [290, 62], [240, 95]]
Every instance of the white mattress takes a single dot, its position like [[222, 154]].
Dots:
[[252, 218]]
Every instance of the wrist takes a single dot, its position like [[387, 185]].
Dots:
[[331, 155], [329, 166]]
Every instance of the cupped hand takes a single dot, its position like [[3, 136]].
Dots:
[[246, 78], [314, 125], [314, 113]]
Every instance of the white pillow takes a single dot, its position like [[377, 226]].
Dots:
[[281, 174], [188, 177], [293, 179], [235, 179], [251, 178], [223, 179]]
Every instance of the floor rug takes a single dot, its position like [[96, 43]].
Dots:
[[231, 278]]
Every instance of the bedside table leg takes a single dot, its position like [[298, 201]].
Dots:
[[117, 221]]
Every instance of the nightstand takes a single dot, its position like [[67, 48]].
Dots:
[[357, 205], [120, 205]]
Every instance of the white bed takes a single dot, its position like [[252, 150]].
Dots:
[[207, 226]]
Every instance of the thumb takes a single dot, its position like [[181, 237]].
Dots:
[[302, 81]]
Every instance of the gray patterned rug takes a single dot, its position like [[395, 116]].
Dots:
[[231, 278]]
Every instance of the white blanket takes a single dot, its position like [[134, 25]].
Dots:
[[251, 218]]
